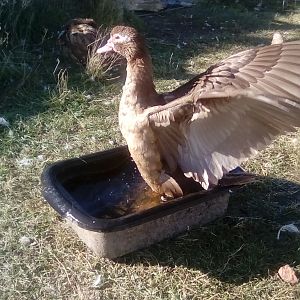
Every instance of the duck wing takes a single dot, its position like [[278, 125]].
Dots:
[[231, 111]]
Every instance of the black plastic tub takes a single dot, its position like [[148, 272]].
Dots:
[[104, 199]]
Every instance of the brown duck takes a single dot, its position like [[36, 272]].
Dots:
[[212, 123], [77, 37]]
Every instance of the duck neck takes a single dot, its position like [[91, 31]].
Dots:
[[139, 90]]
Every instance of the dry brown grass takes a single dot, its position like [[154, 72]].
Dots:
[[101, 66]]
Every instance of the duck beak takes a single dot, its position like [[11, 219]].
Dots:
[[106, 48]]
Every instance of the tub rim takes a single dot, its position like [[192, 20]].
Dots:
[[62, 202]]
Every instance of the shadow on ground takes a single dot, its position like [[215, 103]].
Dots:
[[177, 35], [242, 245]]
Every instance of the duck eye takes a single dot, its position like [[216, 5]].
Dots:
[[117, 37]]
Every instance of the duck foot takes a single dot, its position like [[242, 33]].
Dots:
[[165, 198]]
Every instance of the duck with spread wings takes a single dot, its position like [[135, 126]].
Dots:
[[212, 123]]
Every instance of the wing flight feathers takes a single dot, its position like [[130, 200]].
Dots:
[[231, 111]]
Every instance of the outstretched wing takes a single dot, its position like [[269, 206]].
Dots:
[[231, 111]]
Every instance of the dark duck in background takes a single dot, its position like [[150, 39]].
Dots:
[[77, 37], [214, 122]]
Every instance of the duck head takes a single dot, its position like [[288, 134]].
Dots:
[[126, 41]]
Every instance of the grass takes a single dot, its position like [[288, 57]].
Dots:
[[100, 67], [236, 257]]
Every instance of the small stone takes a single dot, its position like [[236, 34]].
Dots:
[[67, 146], [98, 282], [25, 241], [112, 142], [24, 162], [277, 39], [292, 228], [4, 122], [287, 274]]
